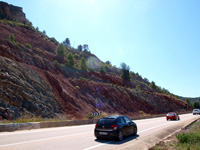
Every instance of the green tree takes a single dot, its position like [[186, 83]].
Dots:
[[125, 72], [37, 29], [108, 63], [80, 48], [70, 61], [12, 38], [187, 101], [196, 105], [83, 63], [85, 48], [60, 50], [153, 85], [102, 69], [44, 33], [67, 42], [146, 79]]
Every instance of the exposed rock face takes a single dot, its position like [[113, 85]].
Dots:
[[11, 12], [22, 87]]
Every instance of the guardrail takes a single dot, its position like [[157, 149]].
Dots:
[[37, 125]]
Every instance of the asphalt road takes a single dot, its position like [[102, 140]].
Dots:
[[82, 137]]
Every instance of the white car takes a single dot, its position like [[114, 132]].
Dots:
[[196, 111]]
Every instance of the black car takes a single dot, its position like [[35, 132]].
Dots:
[[115, 127]]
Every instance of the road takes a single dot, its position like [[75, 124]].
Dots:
[[82, 137]]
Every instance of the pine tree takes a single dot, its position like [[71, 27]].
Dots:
[[83, 64], [80, 48], [125, 72], [60, 51], [196, 105], [153, 85], [70, 61]]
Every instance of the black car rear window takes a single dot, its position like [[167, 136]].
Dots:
[[106, 121], [170, 114]]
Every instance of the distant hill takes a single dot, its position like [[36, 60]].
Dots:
[[36, 81], [192, 100]]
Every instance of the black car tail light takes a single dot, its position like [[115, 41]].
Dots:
[[114, 127], [96, 125]]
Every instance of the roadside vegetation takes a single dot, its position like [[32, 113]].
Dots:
[[28, 119], [190, 138], [186, 139]]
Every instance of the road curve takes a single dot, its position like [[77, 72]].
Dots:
[[150, 131]]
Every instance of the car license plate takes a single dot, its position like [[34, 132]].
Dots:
[[103, 133]]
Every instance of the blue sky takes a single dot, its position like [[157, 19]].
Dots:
[[159, 39]]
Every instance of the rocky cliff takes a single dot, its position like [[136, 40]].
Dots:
[[34, 82], [11, 12]]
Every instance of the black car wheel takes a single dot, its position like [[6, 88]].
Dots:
[[120, 136], [134, 130]]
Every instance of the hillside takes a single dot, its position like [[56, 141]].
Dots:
[[192, 99], [35, 80]]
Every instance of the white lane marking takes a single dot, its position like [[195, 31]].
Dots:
[[112, 141], [45, 130], [43, 139], [154, 127], [97, 145]]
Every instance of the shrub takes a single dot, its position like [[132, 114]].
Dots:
[[55, 61], [77, 87], [102, 69], [77, 56], [12, 38], [83, 79], [28, 46], [89, 116], [191, 138], [53, 40]]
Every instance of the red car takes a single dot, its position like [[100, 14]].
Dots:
[[172, 116]]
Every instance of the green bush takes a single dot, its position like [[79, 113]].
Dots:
[[191, 138], [89, 116], [77, 56], [53, 40], [55, 61], [83, 79], [77, 87], [12, 38], [28, 45], [102, 69]]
